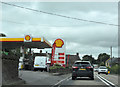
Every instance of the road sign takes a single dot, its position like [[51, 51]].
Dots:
[[27, 38], [59, 43], [60, 57]]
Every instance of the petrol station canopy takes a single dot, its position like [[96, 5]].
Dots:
[[27, 42]]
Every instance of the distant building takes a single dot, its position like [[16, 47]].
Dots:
[[70, 59], [111, 61]]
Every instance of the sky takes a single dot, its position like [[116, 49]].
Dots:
[[85, 38]]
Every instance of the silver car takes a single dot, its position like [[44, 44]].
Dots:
[[103, 69]]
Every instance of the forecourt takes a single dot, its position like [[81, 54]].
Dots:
[[10, 62]]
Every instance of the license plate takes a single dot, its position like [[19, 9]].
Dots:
[[102, 70], [26, 63], [36, 65], [82, 69]]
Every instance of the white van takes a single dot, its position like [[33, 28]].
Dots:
[[41, 63]]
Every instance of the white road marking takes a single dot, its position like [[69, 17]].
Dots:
[[103, 81], [59, 86], [110, 84], [60, 81], [107, 81], [69, 78]]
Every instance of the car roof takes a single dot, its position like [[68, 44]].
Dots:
[[82, 61], [102, 66]]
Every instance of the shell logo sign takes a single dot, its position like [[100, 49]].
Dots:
[[59, 43], [58, 57], [27, 38]]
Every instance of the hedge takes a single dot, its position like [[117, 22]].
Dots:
[[115, 69]]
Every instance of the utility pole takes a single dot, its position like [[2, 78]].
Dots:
[[111, 53]]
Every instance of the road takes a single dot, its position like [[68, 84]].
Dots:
[[40, 78], [45, 78]]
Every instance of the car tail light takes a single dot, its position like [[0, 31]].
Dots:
[[89, 67], [74, 67]]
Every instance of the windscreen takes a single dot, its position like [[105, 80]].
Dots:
[[103, 68], [83, 64]]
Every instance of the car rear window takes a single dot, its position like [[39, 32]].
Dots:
[[82, 64], [103, 68]]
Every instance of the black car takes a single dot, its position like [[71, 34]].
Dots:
[[82, 69]]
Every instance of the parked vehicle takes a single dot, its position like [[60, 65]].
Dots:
[[103, 69], [95, 69], [82, 69], [28, 62], [41, 63]]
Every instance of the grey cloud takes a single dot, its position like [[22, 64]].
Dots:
[[82, 37]]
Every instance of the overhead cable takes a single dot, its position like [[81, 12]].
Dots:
[[59, 14]]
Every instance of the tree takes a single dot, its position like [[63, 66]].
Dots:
[[102, 57], [88, 58], [2, 35]]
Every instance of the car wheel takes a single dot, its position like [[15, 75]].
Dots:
[[98, 73], [41, 70], [92, 78], [46, 70], [73, 77], [34, 69], [106, 73]]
